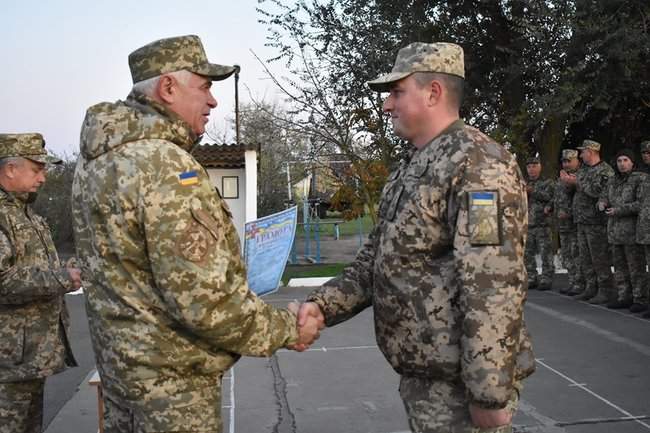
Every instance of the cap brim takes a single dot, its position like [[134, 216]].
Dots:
[[216, 72], [44, 159], [383, 83]]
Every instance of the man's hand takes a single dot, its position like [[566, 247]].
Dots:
[[563, 215], [310, 321], [548, 210], [610, 211], [567, 178], [75, 277], [489, 418], [602, 205], [529, 189]]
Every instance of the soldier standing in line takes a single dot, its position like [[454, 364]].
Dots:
[[643, 221], [621, 205], [33, 314], [590, 182], [443, 268], [540, 197], [168, 304], [562, 208]]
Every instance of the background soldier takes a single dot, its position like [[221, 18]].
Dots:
[[643, 221], [168, 304], [33, 315], [591, 181], [621, 205], [443, 268], [540, 197], [562, 207], [645, 157]]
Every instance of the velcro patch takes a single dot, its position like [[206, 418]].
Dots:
[[195, 243], [188, 178], [483, 218]]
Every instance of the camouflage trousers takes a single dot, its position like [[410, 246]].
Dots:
[[595, 260], [435, 406], [630, 274], [21, 406], [539, 242], [198, 411], [571, 260]]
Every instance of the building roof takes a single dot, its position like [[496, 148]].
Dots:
[[223, 155]]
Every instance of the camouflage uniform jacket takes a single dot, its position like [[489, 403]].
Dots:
[[446, 306], [167, 296], [34, 318], [563, 208], [623, 194], [540, 197], [643, 220], [590, 186]]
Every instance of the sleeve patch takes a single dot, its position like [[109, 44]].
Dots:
[[483, 218], [195, 243]]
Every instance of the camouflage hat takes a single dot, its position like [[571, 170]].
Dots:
[[569, 154], [645, 146], [30, 146], [422, 57], [175, 54], [590, 144], [533, 160]]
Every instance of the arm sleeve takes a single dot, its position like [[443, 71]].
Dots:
[[492, 279], [347, 295], [544, 193], [632, 208], [596, 186], [197, 266], [23, 284]]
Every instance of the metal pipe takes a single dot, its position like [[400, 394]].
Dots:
[[237, 104]]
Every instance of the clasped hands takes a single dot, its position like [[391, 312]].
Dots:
[[309, 321]]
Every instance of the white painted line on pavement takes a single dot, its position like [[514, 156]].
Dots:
[[308, 282], [232, 400], [612, 336], [327, 349], [603, 399]]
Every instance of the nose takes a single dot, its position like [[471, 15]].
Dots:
[[212, 102], [388, 104]]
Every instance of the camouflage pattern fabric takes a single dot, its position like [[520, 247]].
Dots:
[[539, 241], [33, 336], [422, 57], [563, 207], [623, 195], [441, 406], [571, 260], [539, 198], [590, 186], [448, 304], [21, 406], [175, 54], [630, 273], [643, 219], [595, 261], [30, 146], [168, 304]]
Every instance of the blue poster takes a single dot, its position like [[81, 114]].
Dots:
[[267, 245]]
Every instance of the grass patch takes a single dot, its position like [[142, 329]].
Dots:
[[346, 228], [309, 271]]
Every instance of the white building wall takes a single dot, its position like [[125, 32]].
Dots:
[[238, 205]]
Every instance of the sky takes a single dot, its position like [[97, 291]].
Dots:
[[62, 56]]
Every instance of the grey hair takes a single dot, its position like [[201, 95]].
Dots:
[[148, 86], [10, 159]]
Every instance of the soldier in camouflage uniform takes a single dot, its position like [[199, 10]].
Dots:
[[621, 205], [33, 336], [563, 212], [168, 303], [540, 196], [643, 220], [590, 182], [443, 268]]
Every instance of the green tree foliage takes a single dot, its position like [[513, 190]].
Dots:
[[541, 74]]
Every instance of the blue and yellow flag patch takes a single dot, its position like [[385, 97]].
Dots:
[[188, 178], [483, 198]]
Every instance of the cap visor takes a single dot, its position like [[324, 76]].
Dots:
[[384, 83], [215, 72], [44, 159]]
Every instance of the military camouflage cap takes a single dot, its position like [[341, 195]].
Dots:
[[569, 154], [30, 146], [533, 160], [590, 144], [175, 54], [422, 57], [645, 146]]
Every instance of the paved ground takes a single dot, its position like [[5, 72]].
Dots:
[[593, 374]]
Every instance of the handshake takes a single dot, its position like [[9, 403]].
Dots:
[[309, 320]]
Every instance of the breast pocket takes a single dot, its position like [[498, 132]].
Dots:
[[391, 195]]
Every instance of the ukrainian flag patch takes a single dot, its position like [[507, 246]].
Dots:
[[188, 178], [483, 198]]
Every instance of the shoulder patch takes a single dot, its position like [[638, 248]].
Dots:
[[195, 242], [483, 218], [188, 178]]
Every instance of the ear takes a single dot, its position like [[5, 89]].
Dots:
[[166, 89], [435, 93]]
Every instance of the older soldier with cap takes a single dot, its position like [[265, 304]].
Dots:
[[590, 182], [443, 268], [33, 335], [540, 196], [169, 307], [563, 211]]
